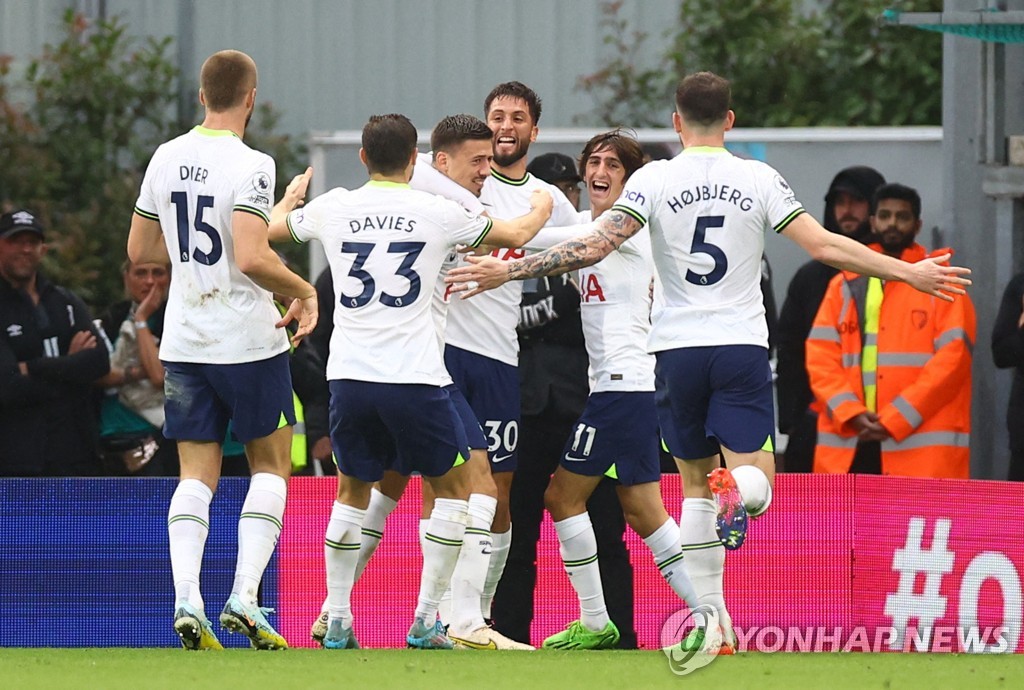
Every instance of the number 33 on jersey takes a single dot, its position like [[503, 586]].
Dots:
[[384, 242]]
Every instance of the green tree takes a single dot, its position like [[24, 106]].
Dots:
[[835, 65], [99, 103]]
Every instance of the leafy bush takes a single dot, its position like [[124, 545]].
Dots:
[[830, 66], [99, 103]]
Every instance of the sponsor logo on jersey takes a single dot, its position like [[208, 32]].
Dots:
[[14, 330], [635, 197], [260, 199], [261, 182]]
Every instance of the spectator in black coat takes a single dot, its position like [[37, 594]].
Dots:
[[1008, 351], [847, 208], [50, 356]]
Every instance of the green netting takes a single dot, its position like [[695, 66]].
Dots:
[[993, 33]]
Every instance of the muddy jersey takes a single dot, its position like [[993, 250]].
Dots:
[[215, 313]]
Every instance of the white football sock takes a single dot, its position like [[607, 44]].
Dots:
[[373, 528], [472, 567], [441, 547], [188, 523], [372, 531], [705, 554], [423, 533], [500, 544], [579, 555], [668, 556], [259, 527], [341, 552]]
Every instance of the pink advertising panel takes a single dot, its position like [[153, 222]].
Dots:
[[838, 563], [938, 563]]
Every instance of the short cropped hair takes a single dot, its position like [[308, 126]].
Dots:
[[703, 98], [625, 146], [515, 89], [389, 142], [894, 190], [226, 78], [450, 132]]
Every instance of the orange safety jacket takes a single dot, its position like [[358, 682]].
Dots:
[[925, 347]]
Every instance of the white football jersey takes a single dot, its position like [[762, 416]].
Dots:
[[486, 324], [707, 212], [615, 307], [215, 313], [427, 178], [385, 244]]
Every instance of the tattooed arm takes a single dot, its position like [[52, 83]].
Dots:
[[608, 233]]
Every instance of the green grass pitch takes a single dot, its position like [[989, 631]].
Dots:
[[134, 669]]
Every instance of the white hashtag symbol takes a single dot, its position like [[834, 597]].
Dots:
[[905, 603]]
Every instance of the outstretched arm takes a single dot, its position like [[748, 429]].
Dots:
[[518, 231], [607, 234], [928, 275]]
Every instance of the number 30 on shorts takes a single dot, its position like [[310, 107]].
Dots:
[[502, 438]]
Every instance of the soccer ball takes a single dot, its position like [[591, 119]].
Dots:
[[755, 489]]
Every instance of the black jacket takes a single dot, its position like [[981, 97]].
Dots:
[[1008, 351], [803, 298], [553, 360], [48, 419]]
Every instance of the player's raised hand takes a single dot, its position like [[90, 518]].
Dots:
[[541, 200], [481, 274], [306, 312], [295, 193], [933, 277]]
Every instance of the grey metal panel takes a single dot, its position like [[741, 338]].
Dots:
[[985, 236], [328, 64], [26, 25]]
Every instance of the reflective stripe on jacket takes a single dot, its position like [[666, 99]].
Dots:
[[923, 378]]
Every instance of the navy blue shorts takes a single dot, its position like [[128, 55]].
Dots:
[[474, 434], [492, 389], [616, 435], [201, 398], [402, 427], [711, 396]]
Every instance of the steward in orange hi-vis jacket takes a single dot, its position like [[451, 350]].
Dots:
[[893, 365]]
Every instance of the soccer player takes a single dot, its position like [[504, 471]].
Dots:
[[707, 213], [482, 348], [205, 202], [617, 434], [461, 153], [389, 406]]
